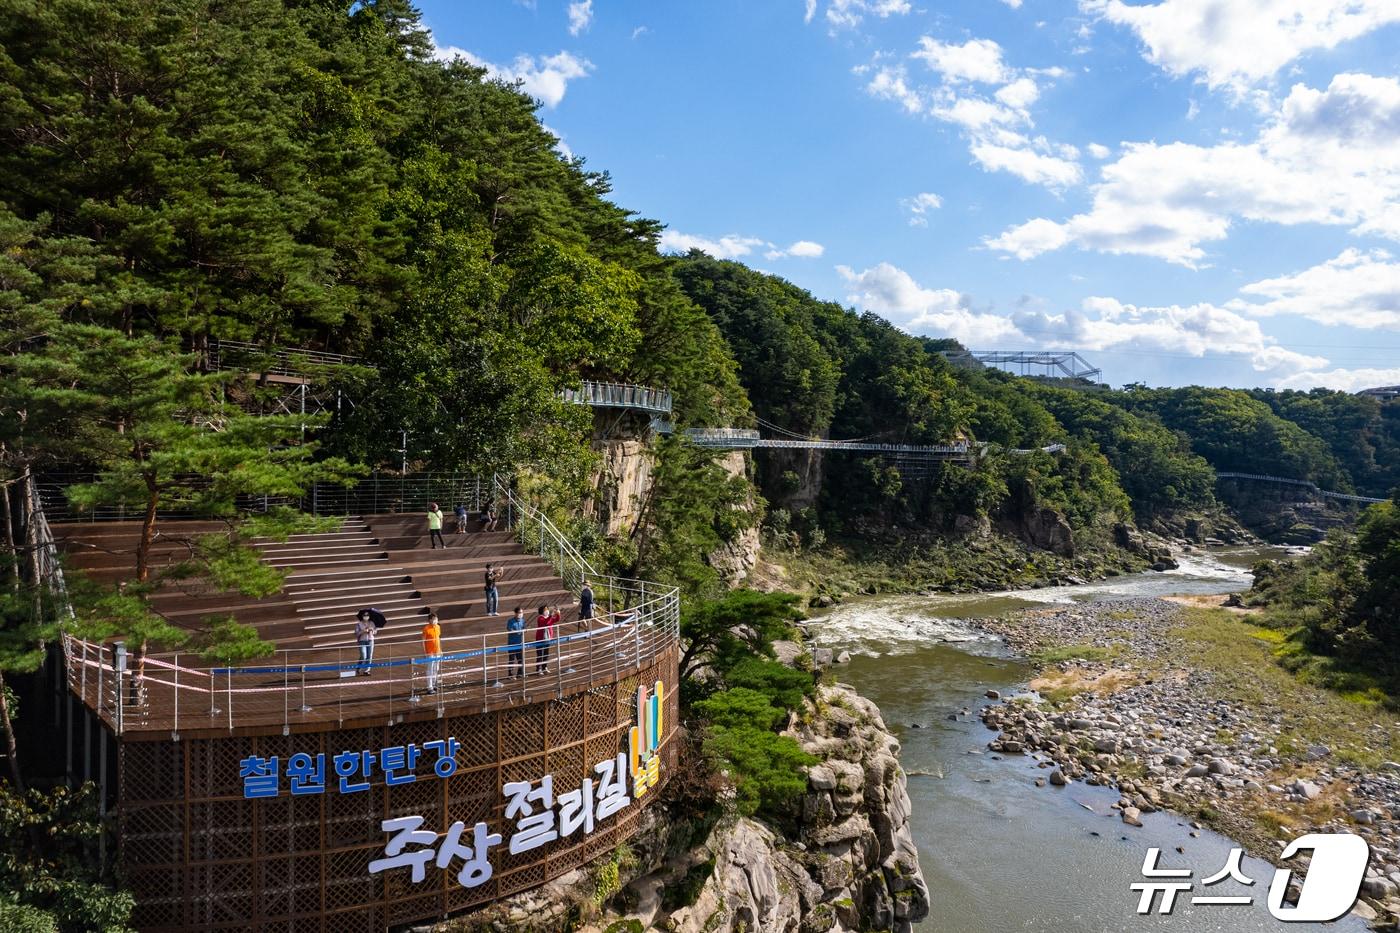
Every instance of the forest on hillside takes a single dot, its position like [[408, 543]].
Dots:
[[306, 174], [180, 174]]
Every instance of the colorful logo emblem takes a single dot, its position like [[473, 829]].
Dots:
[[645, 738]]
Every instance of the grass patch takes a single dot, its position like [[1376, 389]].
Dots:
[[1258, 670], [1064, 653]]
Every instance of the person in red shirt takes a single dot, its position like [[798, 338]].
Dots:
[[545, 631]]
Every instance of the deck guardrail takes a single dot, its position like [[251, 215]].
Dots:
[[620, 395], [274, 361], [181, 690]]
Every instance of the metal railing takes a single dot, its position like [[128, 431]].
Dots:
[[178, 691], [275, 361], [376, 494], [634, 622], [730, 438], [1306, 484], [620, 395]]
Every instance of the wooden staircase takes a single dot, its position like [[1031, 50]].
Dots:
[[379, 561]]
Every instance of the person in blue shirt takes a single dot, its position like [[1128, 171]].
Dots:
[[515, 627]]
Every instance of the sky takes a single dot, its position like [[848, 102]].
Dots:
[[1184, 191]]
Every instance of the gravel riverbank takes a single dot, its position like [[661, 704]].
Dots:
[[1185, 711]]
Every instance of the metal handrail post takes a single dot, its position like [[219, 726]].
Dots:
[[286, 691], [177, 694], [483, 671], [304, 707], [229, 699]]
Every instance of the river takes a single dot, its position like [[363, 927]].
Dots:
[[1000, 854]]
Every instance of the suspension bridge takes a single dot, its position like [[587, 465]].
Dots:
[[1310, 486]]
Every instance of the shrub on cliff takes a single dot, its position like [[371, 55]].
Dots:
[[767, 769]]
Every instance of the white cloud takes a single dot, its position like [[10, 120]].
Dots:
[[1030, 239], [732, 246], [1028, 165], [1326, 156], [1019, 94], [810, 11], [559, 143], [1099, 324], [1099, 152], [1356, 289], [802, 249], [890, 291], [890, 83], [545, 79], [993, 125], [1195, 330], [1014, 4], [639, 32], [1347, 380], [736, 246], [974, 60], [847, 14], [1238, 43], [919, 205], [580, 15]]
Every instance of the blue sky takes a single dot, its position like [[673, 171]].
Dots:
[[1188, 191]]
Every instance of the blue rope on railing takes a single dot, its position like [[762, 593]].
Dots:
[[406, 662]]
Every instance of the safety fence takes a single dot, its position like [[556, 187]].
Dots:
[[619, 395], [180, 691]]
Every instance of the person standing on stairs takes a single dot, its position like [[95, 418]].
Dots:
[[432, 647], [585, 605], [515, 638], [544, 635], [461, 513], [364, 640], [493, 594], [435, 526]]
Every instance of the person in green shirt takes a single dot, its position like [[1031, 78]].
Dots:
[[435, 526]]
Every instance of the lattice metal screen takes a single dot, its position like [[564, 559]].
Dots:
[[197, 855]]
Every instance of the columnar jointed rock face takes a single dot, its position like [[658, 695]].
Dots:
[[853, 864], [859, 846]]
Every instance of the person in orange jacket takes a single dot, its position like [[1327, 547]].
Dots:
[[432, 647]]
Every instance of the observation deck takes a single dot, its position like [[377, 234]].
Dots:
[[313, 680]]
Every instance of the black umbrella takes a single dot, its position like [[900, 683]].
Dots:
[[377, 617]]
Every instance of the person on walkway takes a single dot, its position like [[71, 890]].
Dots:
[[489, 517], [515, 638], [585, 605], [364, 640], [432, 647], [493, 594], [435, 526], [461, 512], [544, 635]]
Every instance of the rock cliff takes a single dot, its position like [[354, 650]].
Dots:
[[850, 864]]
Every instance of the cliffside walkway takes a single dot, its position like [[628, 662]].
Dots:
[[1310, 486], [749, 438]]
